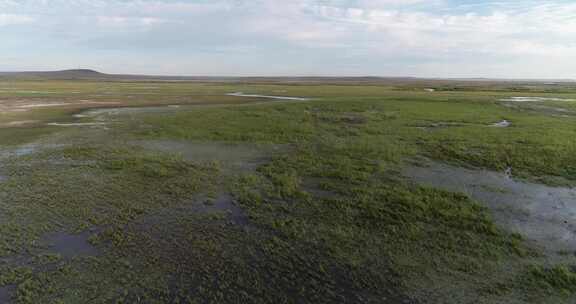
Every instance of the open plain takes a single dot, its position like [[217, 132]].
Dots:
[[361, 190]]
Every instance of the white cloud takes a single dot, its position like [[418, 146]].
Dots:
[[13, 19], [122, 22], [422, 31], [534, 30], [370, 4]]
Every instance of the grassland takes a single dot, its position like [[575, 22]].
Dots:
[[327, 218]]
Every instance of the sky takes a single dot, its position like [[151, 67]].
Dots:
[[419, 38]]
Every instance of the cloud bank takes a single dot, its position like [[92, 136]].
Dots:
[[433, 38]]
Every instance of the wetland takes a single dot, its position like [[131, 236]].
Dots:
[[182, 192]]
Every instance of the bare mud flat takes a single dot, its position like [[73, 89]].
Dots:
[[18, 123], [24, 105], [546, 216], [124, 111], [98, 117]]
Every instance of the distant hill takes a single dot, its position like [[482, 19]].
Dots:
[[88, 74], [77, 73], [64, 74]]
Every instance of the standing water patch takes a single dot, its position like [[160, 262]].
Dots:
[[542, 214], [240, 94], [237, 157], [502, 124], [6, 293], [70, 245]]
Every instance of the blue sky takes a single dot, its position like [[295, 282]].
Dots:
[[426, 38]]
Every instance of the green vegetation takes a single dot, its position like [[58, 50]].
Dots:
[[534, 146], [555, 278], [326, 219]]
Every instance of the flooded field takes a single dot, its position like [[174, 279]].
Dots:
[[182, 192], [6, 293], [550, 105], [67, 245], [544, 215], [234, 157], [535, 99], [240, 94]]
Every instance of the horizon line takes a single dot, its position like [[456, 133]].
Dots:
[[95, 71]]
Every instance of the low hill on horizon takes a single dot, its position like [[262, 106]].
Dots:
[[90, 74], [73, 73]]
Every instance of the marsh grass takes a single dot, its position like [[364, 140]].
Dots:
[[436, 236], [370, 237]]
